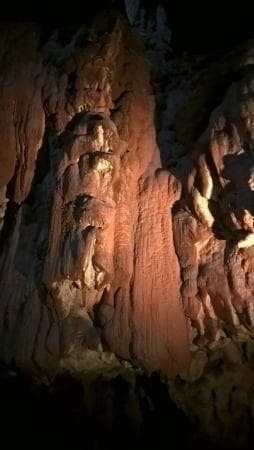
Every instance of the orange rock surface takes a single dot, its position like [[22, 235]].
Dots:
[[88, 260]]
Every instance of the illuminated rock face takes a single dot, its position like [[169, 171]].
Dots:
[[88, 262], [214, 222], [105, 256], [213, 237]]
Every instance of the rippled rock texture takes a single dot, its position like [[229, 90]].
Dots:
[[88, 265], [107, 258], [213, 237]]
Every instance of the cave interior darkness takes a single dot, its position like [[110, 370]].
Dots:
[[197, 27], [39, 417]]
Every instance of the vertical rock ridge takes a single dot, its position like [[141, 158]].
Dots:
[[91, 253]]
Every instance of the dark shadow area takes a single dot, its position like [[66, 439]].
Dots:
[[9, 222], [197, 27], [203, 27], [235, 198], [59, 13], [106, 414]]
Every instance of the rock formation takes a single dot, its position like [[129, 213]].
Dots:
[[110, 257], [88, 261], [213, 237]]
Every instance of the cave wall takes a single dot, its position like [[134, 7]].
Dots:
[[209, 132], [127, 212], [87, 262]]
